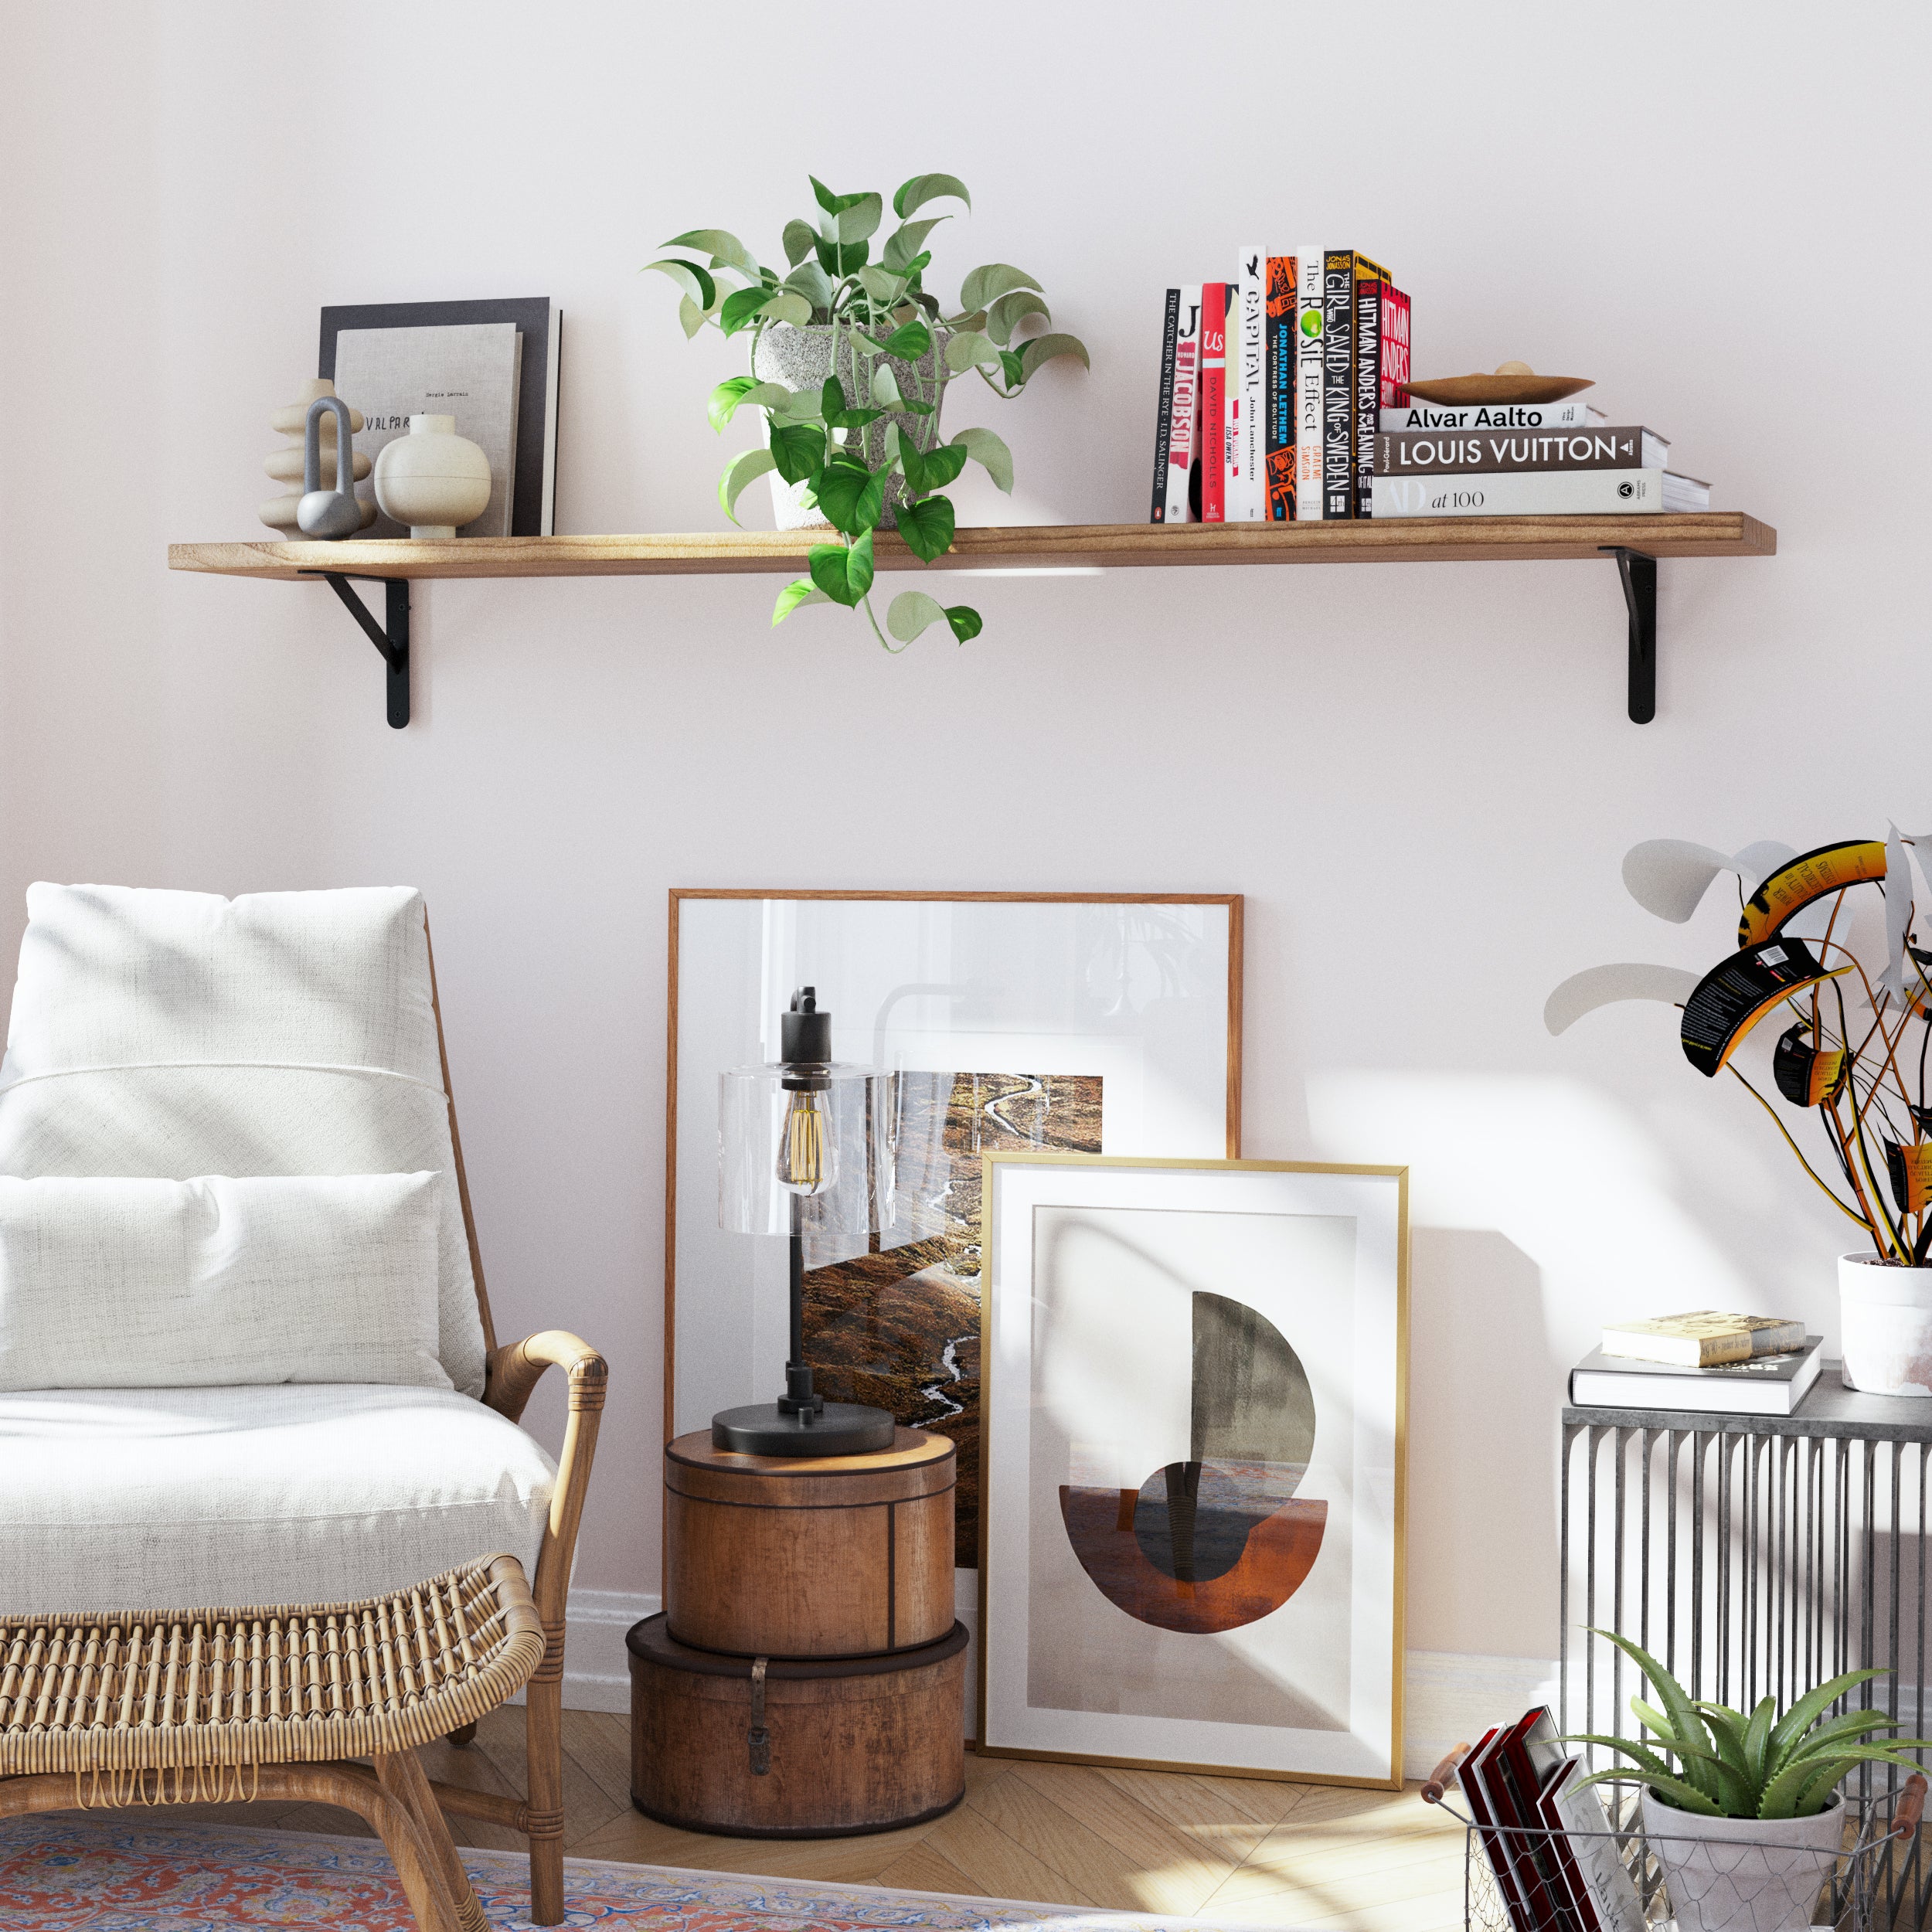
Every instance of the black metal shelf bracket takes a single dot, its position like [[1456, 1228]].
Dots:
[[392, 639], [1639, 576]]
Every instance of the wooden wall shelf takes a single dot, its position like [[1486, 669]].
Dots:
[[1635, 542]]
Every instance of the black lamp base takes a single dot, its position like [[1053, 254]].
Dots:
[[836, 1429]]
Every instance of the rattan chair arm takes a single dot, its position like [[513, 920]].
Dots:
[[515, 1369]]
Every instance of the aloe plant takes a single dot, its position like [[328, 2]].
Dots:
[[882, 309], [1730, 1763]]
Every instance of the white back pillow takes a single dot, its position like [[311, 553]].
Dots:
[[137, 1283]]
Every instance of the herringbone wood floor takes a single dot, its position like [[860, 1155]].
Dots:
[[1240, 1850]]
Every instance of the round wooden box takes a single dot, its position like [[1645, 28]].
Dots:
[[850, 1745], [821, 1557]]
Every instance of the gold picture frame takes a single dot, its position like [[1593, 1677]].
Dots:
[[1002, 1509]]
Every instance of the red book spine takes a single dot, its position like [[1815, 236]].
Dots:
[[1214, 376], [1395, 349]]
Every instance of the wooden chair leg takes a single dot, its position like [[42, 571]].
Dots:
[[544, 1736], [463, 1735], [402, 1777]]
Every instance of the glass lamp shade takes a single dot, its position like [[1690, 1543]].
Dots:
[[804, 1140]]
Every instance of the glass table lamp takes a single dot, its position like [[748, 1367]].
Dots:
[[802, 1146]]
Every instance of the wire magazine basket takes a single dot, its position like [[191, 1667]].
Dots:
[[1520, 1880]]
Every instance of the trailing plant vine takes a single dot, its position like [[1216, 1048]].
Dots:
[[895, 345]]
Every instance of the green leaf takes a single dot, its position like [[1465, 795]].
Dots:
[[883, 287], [832, 398], [1684, 1719], [860, 218], [926, 526], [725, 246], [810, 281], [1013, 368], [1003, 315], [690, 315], [1044, 349], [991, 454], [840, 261], [1811, 1706], [966, 621], [984, 284], [832, 204], [1652, 1765], [1757, 1737], [912, 408], [911, 612], [853, 419], [967, 347], [800, 238], [844, 573], [1787, 1791], [904, 243], [1673, 1789], [742, 308], [885, 387], [695, 282], [852, 497], [801, 405], [925, 188], [788, 306], [909, 341], [797, 449], [799, 591], [932, 469], [738, 472], [1848, 1726], [726, 396]]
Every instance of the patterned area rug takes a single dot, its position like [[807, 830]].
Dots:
[[135, 1872]]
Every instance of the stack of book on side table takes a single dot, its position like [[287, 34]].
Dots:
[[1745, 1365], [1549, 459], [1556, 1866]]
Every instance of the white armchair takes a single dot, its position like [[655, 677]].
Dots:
[[173, 1035]]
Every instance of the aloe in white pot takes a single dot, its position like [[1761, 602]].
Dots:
[[1714, 1778], [850, 362]]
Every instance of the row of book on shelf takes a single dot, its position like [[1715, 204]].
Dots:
[[1284, 397], [1557, 1867], [1710, 1360]]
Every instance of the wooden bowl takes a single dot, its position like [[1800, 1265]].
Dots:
[[1454, 391]]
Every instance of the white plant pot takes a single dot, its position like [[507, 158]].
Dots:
[[1742, 1874], [802, 358], [432, 479], [1885, 1326]]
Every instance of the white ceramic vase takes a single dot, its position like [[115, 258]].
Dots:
[[1742, 1874], [432, 479], [1885, 1326]]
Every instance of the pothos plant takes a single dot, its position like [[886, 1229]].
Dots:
[[894, 350]]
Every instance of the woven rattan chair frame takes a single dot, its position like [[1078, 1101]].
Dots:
[[174, 1706]]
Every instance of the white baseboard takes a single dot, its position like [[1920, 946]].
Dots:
[[1450, 1698]]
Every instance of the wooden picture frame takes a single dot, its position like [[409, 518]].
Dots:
[[985, 915], [1201, 1570]]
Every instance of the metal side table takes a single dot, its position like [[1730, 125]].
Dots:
[[1751, 1554]]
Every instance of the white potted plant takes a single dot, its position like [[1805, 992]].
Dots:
[[1851, 993], [1716, 1781], [850, 362]]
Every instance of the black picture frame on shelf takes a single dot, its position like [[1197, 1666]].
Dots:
[[533, 496]]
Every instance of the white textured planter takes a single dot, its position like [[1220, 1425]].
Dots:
[[802, 358], [1885, 1325], [432, 479], [1742, 1874]]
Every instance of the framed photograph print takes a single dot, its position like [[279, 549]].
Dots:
[[1005, 1021], [1192, 1423]]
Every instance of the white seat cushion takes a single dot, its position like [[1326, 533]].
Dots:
[[172, 1034], [314, 1493]]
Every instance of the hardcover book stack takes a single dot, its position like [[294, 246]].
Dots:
[[1734, 1364], [1556, 1866], [1547, 459], [1272, 389]]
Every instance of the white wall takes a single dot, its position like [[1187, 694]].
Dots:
[[1421, 776]]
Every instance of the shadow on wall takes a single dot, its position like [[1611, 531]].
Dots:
[[1482, 1466]]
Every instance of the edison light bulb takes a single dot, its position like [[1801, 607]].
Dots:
[[807, 1163]]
